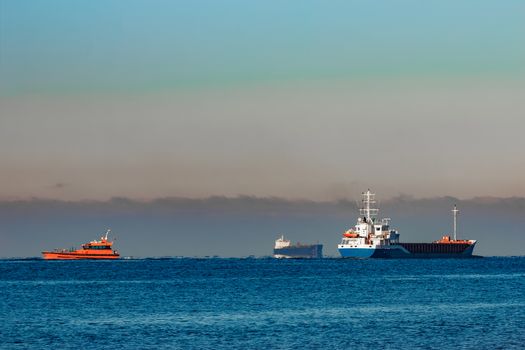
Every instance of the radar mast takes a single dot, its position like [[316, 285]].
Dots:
[[456, 212], [367, 211]]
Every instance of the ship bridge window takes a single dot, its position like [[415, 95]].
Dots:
[[99, 247]]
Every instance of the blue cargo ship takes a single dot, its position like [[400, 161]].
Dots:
[[284, 249], [373, 238]]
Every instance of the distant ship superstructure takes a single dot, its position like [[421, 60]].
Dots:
[[373, 238], [284, 249], [101, 249]]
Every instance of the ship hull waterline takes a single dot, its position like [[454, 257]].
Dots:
[[78, 256], [399, 252], [304, 252]]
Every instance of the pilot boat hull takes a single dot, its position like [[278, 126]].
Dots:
[[77, 256]]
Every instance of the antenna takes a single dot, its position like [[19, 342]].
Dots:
[[455, 211], [107, 232]]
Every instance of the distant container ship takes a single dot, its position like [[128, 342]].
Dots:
[[93, 250], [373, 238], [284, 249]]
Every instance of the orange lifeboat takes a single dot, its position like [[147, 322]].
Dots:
[[350, 234], [93, 250]]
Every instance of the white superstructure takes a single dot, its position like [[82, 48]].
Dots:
[[282, 243], [369, 232]]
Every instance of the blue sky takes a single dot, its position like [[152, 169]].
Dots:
[[125, 46]]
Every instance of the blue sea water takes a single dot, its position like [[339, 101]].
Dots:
[[263, 304]]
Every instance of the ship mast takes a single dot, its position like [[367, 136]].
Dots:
[[366, 210], [455, 211]]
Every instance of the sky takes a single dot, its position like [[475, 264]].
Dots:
[[308, 100], [314, 100]]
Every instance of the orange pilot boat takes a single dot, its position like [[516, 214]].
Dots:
[[93, 250]]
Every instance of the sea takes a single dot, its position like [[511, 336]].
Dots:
[[252, 303]]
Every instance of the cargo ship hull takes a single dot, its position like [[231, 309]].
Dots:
[[314, 251], [412, 250]]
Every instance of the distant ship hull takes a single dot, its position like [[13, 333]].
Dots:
[[76, 256], [314, 251], [412, 250]]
